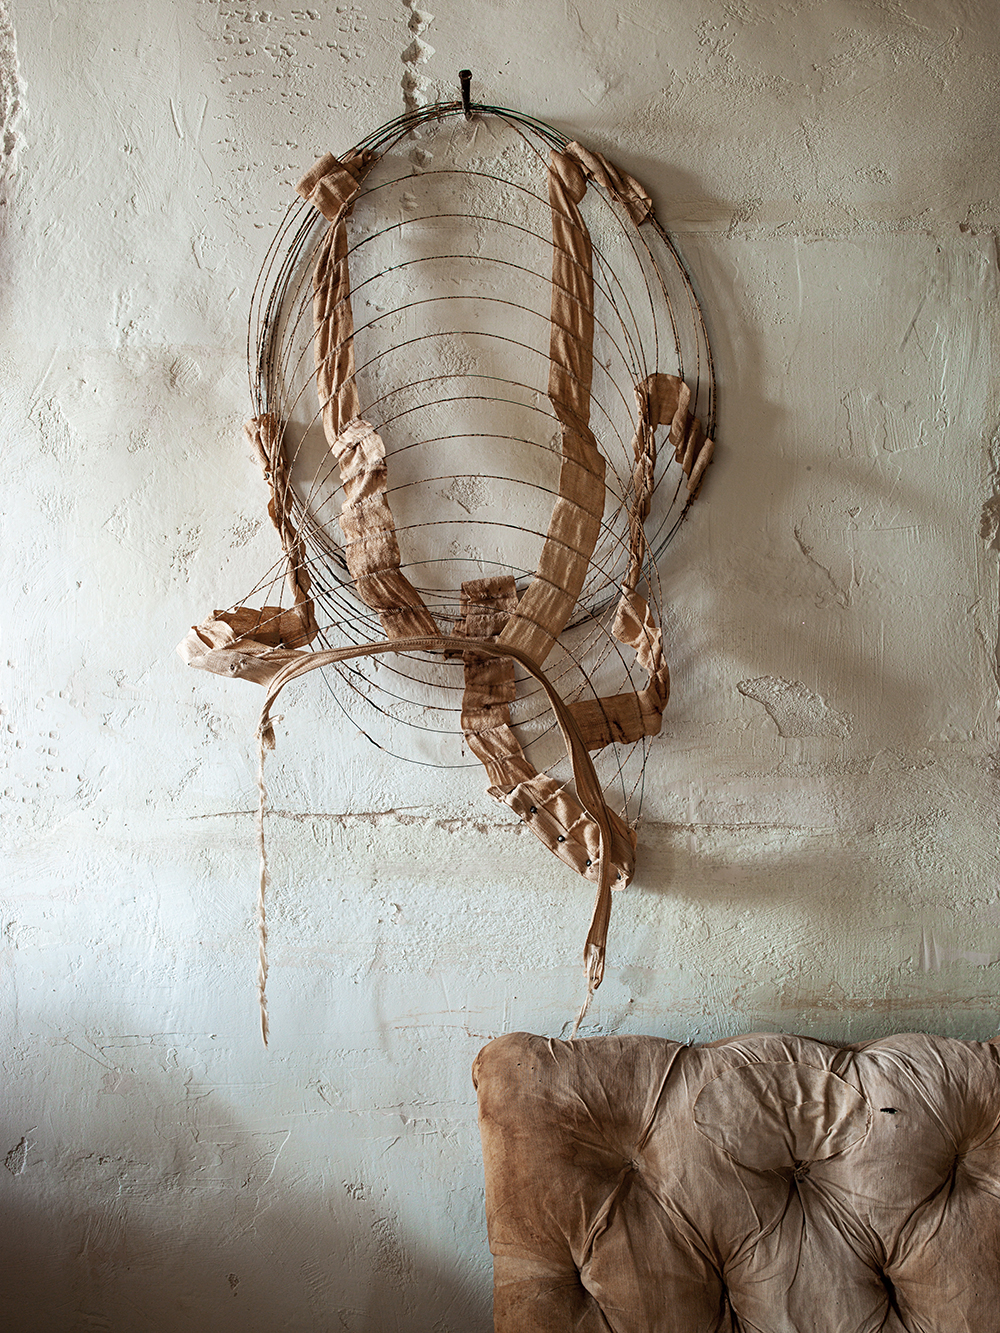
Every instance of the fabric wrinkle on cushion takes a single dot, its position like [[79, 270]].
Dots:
[[938, 1158], [568, 1142], [774, 1115], [877, 1211]]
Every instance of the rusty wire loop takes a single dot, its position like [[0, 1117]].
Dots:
[[647, 318]]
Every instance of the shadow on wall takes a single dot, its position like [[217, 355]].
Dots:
[[793, 930], [822, 877], [821, 547], [142, 1202], [97, 1267]]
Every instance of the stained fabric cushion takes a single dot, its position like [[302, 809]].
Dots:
[[769, 1184]]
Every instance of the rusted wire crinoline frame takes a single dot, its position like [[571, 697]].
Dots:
[[500, 622], [281, 278]]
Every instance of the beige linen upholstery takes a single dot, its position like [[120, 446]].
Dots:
[[766, 1184]]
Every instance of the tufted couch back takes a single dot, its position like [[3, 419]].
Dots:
[[762, 1184]]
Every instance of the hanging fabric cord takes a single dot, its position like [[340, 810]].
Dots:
[[588, 787]]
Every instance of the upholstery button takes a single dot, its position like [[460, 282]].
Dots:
[[560, 838]]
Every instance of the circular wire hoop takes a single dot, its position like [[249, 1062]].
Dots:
[[450, 247]]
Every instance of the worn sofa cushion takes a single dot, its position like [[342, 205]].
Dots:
[[770, 1184]]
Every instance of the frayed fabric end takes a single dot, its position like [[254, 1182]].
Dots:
[[594, 964]]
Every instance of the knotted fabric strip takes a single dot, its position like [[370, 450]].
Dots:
[[588, 788], [625, 188], [548, 808]]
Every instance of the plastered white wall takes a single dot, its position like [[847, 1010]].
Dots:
[[818, 847]]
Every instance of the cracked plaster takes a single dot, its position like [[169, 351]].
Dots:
[[818, 855]]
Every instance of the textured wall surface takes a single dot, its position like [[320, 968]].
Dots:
[[818, 848]]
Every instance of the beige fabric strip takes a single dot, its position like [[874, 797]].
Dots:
[[626, 189], [370, 544], [276, 626], [669, 399], [661, 399], [548, 602], [489, 683], [571, 335], [222, 648], [621, 719], [266, 435], [557, 818], [333, 343], [332, 186], [549, 809]]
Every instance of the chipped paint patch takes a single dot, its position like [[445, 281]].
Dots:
[[17, 1159], [934, 955], [796, 710], [11, 97], [417, 52], [874, 425]]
